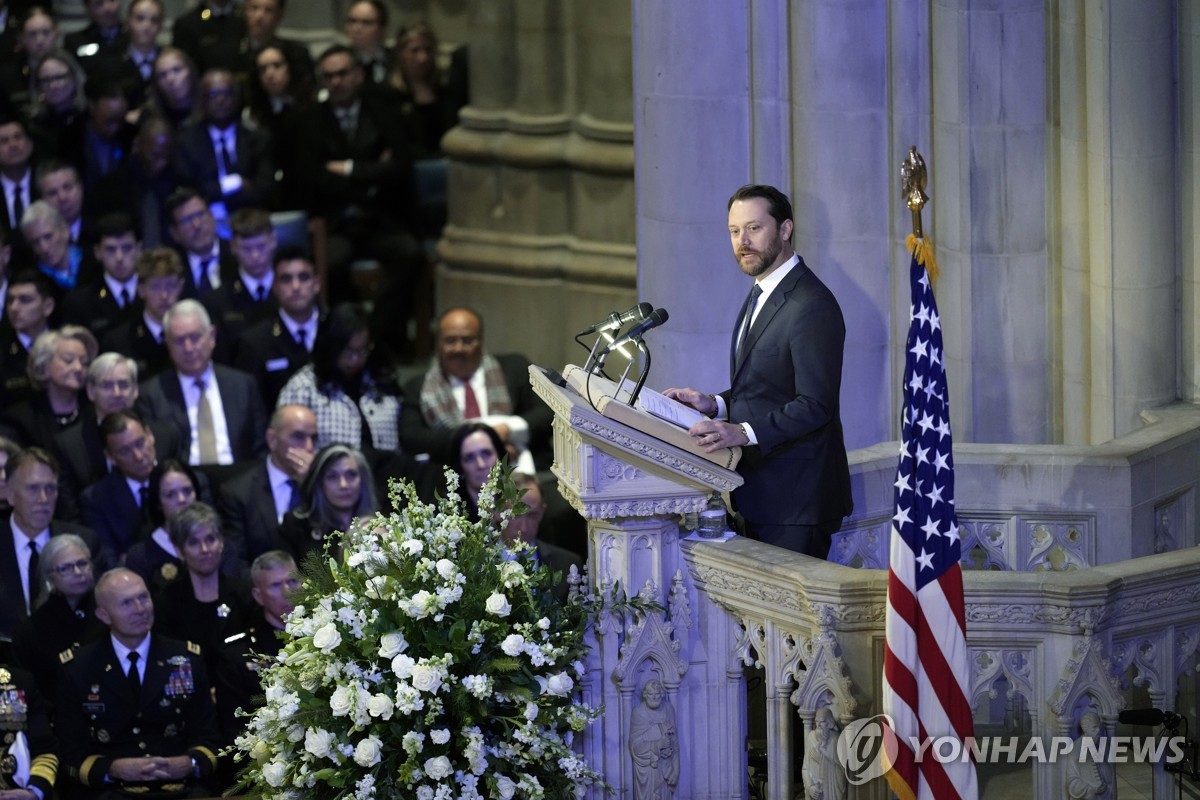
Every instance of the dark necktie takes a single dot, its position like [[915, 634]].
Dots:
[[302, 337], [132, 676], [144, 501], [470, 403], [35, 583], [226, 156], [205, 265], [124, 298], [755, 293], [18, 206], [260, 293], [294, 498]]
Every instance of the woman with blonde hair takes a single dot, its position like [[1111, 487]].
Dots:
[[58, 364]]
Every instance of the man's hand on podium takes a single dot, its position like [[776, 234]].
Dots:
[[706, 404]]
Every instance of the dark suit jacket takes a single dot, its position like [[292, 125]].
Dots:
[[417, 437], [12, 593], [786, 387], [78, 43], [233, 309], [15, 386], [80, 452], [196, 164], [268, 351], [109, 508], [558, 559], [95, 307], [226, 266], [247, 507], [130, 189], [211, 40], [133, 339], [161, 398]]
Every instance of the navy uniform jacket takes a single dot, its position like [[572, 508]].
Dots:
[[23, 709], [243, 656], [787, 386], [98, 720]]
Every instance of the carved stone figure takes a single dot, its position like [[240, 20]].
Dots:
[[654, 745], [1087, 778], [824, 776]]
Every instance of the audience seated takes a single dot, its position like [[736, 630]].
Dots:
[[33, 492], [99, 142], [49, 239], [8, 449], [141, 185], [58, 364], [39, 35], [27, 309], [66, 616], [254, 504], [112, 298], [58, 183], [211, 32], [203, 605], [526, 528], [366, 31], [208, 258], [104, 32], [275, 348], [263, 18], [217, 409], [227, 160], [58, 103], [280, 98], [338, 488], [160, 285], [477, 448], [133, 65], [430, 100], [135, 715], [16, 179], [173, 91], [173, 487], [33, 719], [5, 260], [246, 299]]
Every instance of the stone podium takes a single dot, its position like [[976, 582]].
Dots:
[[634, 489]]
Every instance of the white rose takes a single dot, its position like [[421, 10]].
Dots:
[[513, 644], [380, 705], [402, 665], [342, 701], [327, 638], [412, 546], [392, 645], [439, 736], [367, 753], [426, 678], [438, 767], [418, 606], [317, 741], [506, 787], [275, 773], [295, 733], [559, 684], [498, 605], [446, 568]]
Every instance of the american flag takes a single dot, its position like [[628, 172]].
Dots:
[[926, 671]]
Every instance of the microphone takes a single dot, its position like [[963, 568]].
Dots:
[[1149, 716], [615, 320], [656, 318]]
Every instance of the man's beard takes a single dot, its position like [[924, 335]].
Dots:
[[765, 259]]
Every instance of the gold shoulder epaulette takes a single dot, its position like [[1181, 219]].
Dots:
[[66, 655], [193, 648]]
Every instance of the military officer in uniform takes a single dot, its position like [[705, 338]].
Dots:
[[135, 716], [28, 764]]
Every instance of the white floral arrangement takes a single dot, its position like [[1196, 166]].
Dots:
[[428, 661]]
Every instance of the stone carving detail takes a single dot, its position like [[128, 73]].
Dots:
[[615, 471], [654, 744], [692, 469], [1171, 523], [1087, 778], [820, 672], [1087, 672], [985, 543], [1187, 647], [679, 609], [1083, 619], [862, 547], [1058, 546], [646, 507], [1144, 653], [650, 637], [1015, 668], [789, 597], [824, 776], [1155, 601]]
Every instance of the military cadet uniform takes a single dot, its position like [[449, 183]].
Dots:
[[27, 745], [237, 679], [98, 720]]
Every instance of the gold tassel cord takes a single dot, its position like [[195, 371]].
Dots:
[[922, 250]]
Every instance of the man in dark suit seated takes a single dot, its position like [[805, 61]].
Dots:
[[207, 259], [160, 285], [99, 142], [59, 185], [104, 31], [360, 180], [117, 506], [135, 714], [217, 409], [366, 30], [28, 305], [112, 298], [33, 493], [211, 32], [253, 504], [782, 407], [273, 349], [241, 302], [132, 66], [227, 161], [16, 178], [142, 185], [527, 528], [262, 25]]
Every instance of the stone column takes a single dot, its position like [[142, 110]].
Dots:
[[1188, 32]]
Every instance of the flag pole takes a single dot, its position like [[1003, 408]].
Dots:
[[913, 179]]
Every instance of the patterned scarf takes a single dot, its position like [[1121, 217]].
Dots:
[[437, 397]]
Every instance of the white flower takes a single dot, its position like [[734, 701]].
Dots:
[[424, 792], [558, 684], [426, 678], [506, 787], [513, 644], [478, 685], [275, 773], [295, 733], [544, 623], [367, 753], [531, 711], [498, 605], [327, 638], [413, 742], [392, 645], [380, 705], [317, 741], [402, 665], [412, 546], [446, 568], [438, 767], [439, 736], [419, 605], [342, 701]]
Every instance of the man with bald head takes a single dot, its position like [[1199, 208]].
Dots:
[[135, 716], [466, 383], [253, 504]]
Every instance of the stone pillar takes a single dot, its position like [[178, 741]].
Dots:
[[1188, 33]]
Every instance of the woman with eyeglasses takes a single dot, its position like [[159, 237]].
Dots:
[[337, 489], [173, 487], [59, 102], [66, 617]]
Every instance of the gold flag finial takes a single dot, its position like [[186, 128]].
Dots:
[[913, 178]]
